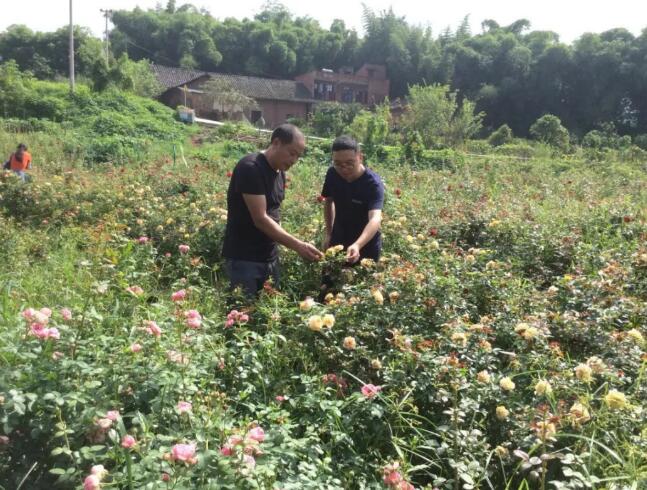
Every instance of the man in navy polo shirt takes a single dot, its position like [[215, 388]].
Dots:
[[254, 197], [354, 196]]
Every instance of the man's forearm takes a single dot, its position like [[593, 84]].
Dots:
[[329, 216], [368, 232], [274, 230]]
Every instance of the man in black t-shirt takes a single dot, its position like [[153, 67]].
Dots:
[[354, 197], [254, 198]]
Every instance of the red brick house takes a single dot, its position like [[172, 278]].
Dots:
[[276, 100], [368, 85]]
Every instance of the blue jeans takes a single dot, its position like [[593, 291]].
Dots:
[[250, 276], [22, 174]]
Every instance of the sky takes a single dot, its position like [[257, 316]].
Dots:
[[569, 18]]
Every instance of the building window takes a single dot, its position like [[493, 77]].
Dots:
[[256, 115], [347, 95]]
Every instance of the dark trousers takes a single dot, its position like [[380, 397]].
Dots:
[[250, 276]]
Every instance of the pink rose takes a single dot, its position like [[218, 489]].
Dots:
[[369, 390], [235, 440], [227, 450], [66, 313], [135, 290], [249, 460], [183, 452], [152, 328], [134, 348], [392, 478], [38, 330], [53, 333], [257, 434], [91, 482], [192, 314], [28, 314], [142, 240], [179, 295], [112, 415], [280, 398], [128, 442], [56, 355], [184, 407], [98, 470], [184, 249], [193, 323], [46, 311]]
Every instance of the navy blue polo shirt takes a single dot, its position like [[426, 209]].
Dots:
[[353, 201]]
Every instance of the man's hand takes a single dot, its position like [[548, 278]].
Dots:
[[308, 251], [352, 253]]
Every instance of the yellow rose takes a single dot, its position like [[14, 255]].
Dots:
[[394, 296], [506, 384], [615, 399], [485, 345], [459, 338], [635, 335], [328, 320], [334, 250], [545, 430], [306, 304], [483, 376], [434, 245], [579, 414], [350, 343], [377, 296], [521, 327], [583, 372], [501, 452], [376, 364], [530, 333], [367, 263], [502, 412], [543, 387], [597, 364], [315, 323]]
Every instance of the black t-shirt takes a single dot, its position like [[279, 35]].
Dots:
[[353, 201], [243, 241]]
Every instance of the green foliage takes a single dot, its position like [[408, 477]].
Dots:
[[371, 128], [439, 117], [605, 137], [549, 130], [641, 141], [108, 126], [331, 119], [492, 268], [501, 136]]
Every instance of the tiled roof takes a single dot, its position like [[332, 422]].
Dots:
[[171, 77], [255, 87]]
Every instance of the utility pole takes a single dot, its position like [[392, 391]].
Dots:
[[107, 13], [71, 50]]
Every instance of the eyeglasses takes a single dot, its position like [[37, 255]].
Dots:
[[346, 165]]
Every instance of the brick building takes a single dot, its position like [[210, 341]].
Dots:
[[275, 100]]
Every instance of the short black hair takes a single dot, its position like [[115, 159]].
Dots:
[[22, 146], [345, 142], [285, 133]]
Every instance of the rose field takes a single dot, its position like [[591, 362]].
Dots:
[[500, 342]]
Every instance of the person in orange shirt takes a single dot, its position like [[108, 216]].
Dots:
[[19, 161]]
